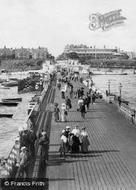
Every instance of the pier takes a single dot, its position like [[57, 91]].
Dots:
[[111, 161]]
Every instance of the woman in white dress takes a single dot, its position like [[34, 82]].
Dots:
[[63, 112]]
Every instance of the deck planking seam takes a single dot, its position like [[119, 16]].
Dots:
[[107, 164], [110, 158], [99, 148], [119, 164], [114, 162], [124, 165]]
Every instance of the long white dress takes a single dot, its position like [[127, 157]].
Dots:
[[63, 113]]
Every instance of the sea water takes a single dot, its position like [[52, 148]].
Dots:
[[128, 82]]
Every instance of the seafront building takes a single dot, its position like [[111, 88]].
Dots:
[[95, 53]]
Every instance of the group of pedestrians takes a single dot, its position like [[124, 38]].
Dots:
[[74, 140], [27, 149], [84, 101], [28, 141]]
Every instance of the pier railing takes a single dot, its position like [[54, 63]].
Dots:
[[10, 167], [123, 106]]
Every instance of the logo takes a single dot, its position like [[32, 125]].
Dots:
[[106, 21]]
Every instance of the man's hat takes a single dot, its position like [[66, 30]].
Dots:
[[68, 127]]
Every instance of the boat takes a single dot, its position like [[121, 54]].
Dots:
[[4, 87], [11, 99], [14, 79], [2, 80], [10, 84], [8, 103], [6, 115]]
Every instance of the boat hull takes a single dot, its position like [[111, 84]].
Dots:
[[10, 84], [6, 115], [11, 99], [8, 103]]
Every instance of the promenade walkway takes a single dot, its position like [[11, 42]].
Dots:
[[111, 161]]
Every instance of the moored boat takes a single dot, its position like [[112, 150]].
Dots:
[[10, 84], [4, 87], [8, 103], [11, 99], [6, 115]]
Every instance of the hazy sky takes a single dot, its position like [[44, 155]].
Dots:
[[55, 23]]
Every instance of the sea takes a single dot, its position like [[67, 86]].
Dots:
[[128, 83]]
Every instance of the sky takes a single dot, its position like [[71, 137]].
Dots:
[[56, 23]]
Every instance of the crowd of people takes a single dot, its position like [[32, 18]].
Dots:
[[74, 141], [66, 88]]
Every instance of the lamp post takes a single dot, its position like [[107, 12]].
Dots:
[[109, 83], [120, 90], [36, 88]]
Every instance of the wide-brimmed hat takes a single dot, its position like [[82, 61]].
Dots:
[[23, 148], [63, 104]]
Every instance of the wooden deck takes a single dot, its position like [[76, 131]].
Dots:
[[111, 161]]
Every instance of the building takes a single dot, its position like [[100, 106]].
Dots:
[[95, 53], [22, 53], [7, 53], [39, 53]]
